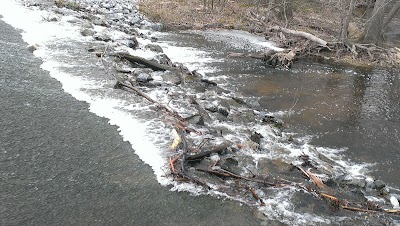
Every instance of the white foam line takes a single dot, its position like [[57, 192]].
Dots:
[[37, 31]]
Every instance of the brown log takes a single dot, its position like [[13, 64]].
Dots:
[[255, 195], [302, 34], [204, 154], [226, 173], [317, 181], [358, 209], [217, 173], [140, 60], [267, 54], [136, 90], [171, 164]]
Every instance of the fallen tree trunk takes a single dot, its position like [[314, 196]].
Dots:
[[140, 60], [275, 58], [267, 54], [204, 154], [302, 34], [136, 90]]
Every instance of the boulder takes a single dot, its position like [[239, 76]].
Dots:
[[163, 59], [133, 43], [144, 77], [100, 22], [154, 48], [102, 37], [87, 32], [223, 111], [256, 137]]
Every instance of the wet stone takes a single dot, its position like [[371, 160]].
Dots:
[[197, 119], [269, 119], [256, 137], [32, 48], [197, 87], [102, 37], [154, 48], [211, 108], [378, 184], [144, 77], [133, 43], [223, 111], [101, 22], [87, 32], [170, 77], [163, 59], [230, 163], [253, 104], [358, 182], [182, 67]]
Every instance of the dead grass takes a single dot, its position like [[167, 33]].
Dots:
[[180, 14], [312, 16], [309, 15]]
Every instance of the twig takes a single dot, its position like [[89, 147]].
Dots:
[[171, 164]]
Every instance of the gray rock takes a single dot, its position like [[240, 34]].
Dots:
[[133, 43], [153, 39], [256, 137], [144, 77], [157, 27], [100, 48], [87, 32], [134, 20], [101, 22], [171, 77], [344, 180], [211, 108], [102, 37], [163, 59], [53, 19], [223, 111], [378, 184], [139, 71], [253, 104], [32, 48], [197, 119], [154, 48]]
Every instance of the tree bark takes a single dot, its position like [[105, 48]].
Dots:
[[346, 20], [391, 14], [302, 34], [140, 60], [373, 29], [286, 10], [269, 10]]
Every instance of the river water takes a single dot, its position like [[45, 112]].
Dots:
[[63, 164], [352, 108]]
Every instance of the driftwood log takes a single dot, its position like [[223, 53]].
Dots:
[[302, 34], [275, 58], [203, 154], [119, 85], [267, 54], [140, 60]]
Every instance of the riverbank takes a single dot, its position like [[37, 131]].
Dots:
[[260, 163], [322, 21]]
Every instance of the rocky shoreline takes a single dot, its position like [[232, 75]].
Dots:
[[216, 131]]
